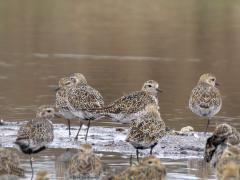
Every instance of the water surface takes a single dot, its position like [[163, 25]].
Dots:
[[118, 46]]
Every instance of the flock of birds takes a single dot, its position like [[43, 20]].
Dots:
[[77, 100]]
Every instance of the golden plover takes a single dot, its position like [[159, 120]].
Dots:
[[147, 129], [61, 105], [149, 168], [85, 163], [10, 164], [228, 167], [224, 134], [36, 134], [82, 97], [131, 106], [205, 99]]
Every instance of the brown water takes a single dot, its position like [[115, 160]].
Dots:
[[118, 45]]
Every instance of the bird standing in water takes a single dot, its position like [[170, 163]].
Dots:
[[146, 131], [36, 134], [131, 106], [205, 99], [82, 97]]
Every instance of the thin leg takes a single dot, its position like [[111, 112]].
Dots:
[[137, 155], [80, 127], [89, 121], [131, 160], [69, 125], [151, 150], [31, 165], [207, 126]]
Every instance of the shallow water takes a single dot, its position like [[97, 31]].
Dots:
[[118, 46]]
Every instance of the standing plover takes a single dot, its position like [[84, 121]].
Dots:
[[147, 129], [224, 134], [61, 105], [205, 99], [36, 134], [149, 168], [82, 97], [131, 106], [10, 164], [85, 164]]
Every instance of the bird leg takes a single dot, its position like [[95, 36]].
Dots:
[[206, 127], [137, 154], [69, 125], [151, 150], [80, 127], [131, 160], [31, 165], [89, 121]]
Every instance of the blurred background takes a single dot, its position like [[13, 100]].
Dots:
[[118, 45]]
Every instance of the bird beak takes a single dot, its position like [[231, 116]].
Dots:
[[57, 115], [56, 89], [159, 90], [217, 84]]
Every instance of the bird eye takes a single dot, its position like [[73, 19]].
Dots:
[[212, 79], [149, 85], [49, 111], [73, 79]]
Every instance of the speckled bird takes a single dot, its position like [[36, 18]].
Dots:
[[10, 166], [82, 97], [228, 167], [37, 134], [131, 106], [147, 129], [149, 168], [205, 99], [61, 105], [224, 134], [85, 164]]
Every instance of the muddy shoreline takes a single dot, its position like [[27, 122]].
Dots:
[[105, 139]]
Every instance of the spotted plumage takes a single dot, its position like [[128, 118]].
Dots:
[[147, 129], [61, 105], [205, 99], [82, 97], [228, 167], [131, 106], [224, 134], [85, 164], [10, 164], [149, 168], [37, 134]]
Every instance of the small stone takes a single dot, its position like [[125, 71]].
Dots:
[[186, 129]]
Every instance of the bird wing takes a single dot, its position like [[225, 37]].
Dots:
[[205, 96], [131, 103], [84, 97]]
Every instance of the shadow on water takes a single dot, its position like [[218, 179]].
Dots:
[[118, 46]]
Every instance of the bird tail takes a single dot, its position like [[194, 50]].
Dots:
[[26, 147]]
